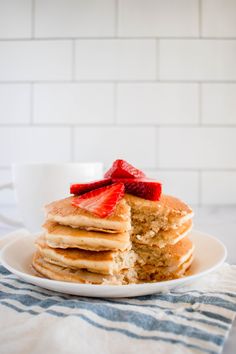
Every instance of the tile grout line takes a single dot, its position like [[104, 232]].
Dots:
[[123, 125], [104, 81], [116, 29], [200, 18], [82, 38], [32, 19]]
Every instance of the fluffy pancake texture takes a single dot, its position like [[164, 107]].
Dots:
[[63, 212], [163, 273], [149, 217], [163, 237], [105, 262], [60, 236], [171, 255]]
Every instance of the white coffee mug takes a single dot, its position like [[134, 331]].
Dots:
[[37, 184]]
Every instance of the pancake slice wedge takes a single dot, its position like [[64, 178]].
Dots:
[[105, 262], [56, 272], [63, 212], [60, 236]]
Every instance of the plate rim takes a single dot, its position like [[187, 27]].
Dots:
[[77, 286]]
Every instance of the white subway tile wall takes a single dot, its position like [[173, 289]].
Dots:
[[15, 19], [15, 103], [152, 81], [115, 59], [73, 103], [136, 144]]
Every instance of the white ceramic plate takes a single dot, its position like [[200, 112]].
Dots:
[[16, 256]]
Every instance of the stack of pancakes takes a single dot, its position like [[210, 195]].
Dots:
[[141, 241], [78, 246]]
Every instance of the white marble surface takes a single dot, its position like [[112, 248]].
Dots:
[[218, 221]]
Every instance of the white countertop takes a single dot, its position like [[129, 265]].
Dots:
[[217, 221]]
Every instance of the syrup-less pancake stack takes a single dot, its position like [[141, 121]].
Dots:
[[107, 236]]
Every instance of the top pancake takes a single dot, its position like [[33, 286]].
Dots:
[[63, 212], [167, 204]]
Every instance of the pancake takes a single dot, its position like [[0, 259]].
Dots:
[[105, 262], [164, 273], [149, 217], [170, 256], [63, 212], [56, 272], [60, 236], [164, 237]]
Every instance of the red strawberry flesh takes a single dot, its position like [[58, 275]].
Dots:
[[102, 201], [81, 188], [122, 169], [141, 187]]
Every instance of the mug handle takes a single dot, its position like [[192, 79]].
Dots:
[[4, 219]]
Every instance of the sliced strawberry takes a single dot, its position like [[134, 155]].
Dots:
[[81, 188], [102, 201], [141, 187], [122, 169]]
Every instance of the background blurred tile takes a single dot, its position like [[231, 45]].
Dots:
[[73, 18], [218, 187], [15, 18], [157, 103], [116, 59], [219, 103], [161, 18], [218, 18], [198, 59], [201, 148], [35, 60], [14, 104], [107, 144], [39, 144], [74, 103]]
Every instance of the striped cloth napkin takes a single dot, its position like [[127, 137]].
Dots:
[[191, 319]]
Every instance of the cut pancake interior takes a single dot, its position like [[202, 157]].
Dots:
[[105, 262], [163, 237], [169, 256], [149, 217], [60, 236], [146, 274], [63, 212]]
